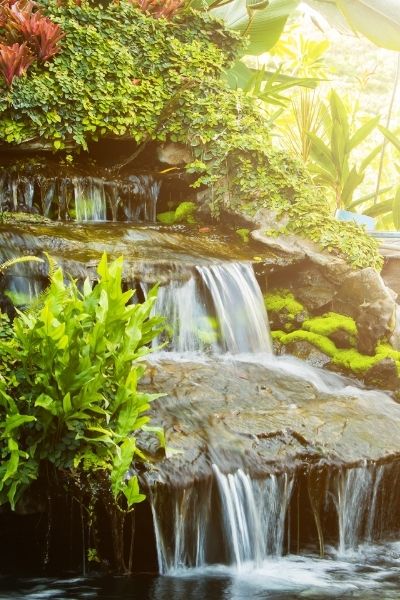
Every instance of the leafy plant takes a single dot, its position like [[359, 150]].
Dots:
[[307, 112], [68, 386], [27, 36], [332, 161]]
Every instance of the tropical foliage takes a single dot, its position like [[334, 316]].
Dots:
[[68, 387]]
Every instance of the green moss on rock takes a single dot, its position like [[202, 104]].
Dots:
[[347, 359], [283, 300], [329, 323]]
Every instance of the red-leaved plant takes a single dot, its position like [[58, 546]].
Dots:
[[40, 33], [14, 61], [160, 8], [25, 35]]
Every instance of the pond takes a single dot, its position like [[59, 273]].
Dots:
[[370, 573]]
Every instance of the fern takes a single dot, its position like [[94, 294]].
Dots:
[[16, 261]]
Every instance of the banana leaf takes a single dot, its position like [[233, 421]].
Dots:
[[262, 22], [378, 20]]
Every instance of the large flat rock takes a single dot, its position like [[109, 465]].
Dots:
[[265, 418]]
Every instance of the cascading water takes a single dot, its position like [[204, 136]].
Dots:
[[181, 526], [366, 500], [254, 512], [247, 524], [90, 199], [220, 307], [81, 198], [232, 517]]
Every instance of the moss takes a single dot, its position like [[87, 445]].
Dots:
[[283, 300], [22, 217], [330, 323], [184, 213], [348, 359], [244, 234]]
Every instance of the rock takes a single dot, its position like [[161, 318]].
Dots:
[[264, 418], [364, 296], [325, 282], [395, 338], [391, 273], [306, 351], [174, 154], [151, 253], [383, 375], [342, 339]]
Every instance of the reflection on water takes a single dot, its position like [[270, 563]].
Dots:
[[370, 573]]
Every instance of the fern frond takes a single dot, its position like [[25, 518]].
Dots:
[[53, 266], [16, 261]]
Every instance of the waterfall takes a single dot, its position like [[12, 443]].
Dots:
[[181, 525], [90, 199], [254, 513], [251, 512], [220, 308], [82, 198], [366, 500]]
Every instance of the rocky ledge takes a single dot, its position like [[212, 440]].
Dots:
[[264, 418]]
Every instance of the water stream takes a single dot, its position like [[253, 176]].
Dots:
[[220, 308]]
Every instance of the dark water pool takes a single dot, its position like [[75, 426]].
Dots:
[[371, 573]]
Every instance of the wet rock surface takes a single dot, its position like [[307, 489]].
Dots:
[[151, 252], [264, 418]]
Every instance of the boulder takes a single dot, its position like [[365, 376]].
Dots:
[[383, 375], [306, 351], [364, 296], [322, 281], [173, 154], [264, 418]]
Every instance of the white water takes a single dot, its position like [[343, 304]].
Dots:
[[187, 521], [242, 521], [220, 308], [254, 513]]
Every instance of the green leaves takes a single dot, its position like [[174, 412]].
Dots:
[[261, 22], [332, 161], [378, 20], [118, 71], [396, 210], [72, 399]]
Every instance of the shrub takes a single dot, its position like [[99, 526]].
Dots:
[[68, 386]]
